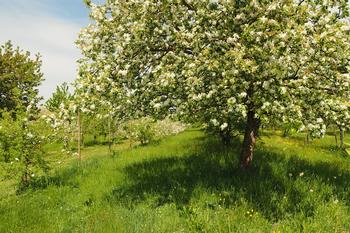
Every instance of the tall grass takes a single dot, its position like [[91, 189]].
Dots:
[[190, 183]]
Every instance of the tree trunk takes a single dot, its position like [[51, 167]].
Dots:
[[286, 133], [250, 136], [336, 138], [26, 175], [82, 136], [307, 137], [226, 137], [66, 145], [109, 136], [7, 154], [95, 139], [341, 138]]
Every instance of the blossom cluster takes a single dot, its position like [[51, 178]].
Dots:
[[214, 61]]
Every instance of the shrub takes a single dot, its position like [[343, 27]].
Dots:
[[141, 130], [21, 147], [168, 127], [146, 130]]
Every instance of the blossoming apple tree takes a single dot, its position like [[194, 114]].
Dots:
[[221, 62]]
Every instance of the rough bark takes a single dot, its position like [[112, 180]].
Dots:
[[250, 136]]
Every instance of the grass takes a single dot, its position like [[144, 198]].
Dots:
[[189, 183]]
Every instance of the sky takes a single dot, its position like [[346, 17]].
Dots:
[[48, 27]]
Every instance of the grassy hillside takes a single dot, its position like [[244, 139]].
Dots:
[[189, 183]]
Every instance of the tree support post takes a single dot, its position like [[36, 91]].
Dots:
[[341, 138], [109, 135], [79, 135]]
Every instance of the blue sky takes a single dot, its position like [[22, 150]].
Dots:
[[49, 27]]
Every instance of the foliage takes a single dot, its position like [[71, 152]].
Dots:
[[21, 146], [167, 127], [222, 63], [97, 126], [20, 77], [59, 115], [96, 117], [141, 130], [63, 124], [60, 97], [145, 130], [264, 57]]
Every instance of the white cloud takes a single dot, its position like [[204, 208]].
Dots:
[[48, 35]]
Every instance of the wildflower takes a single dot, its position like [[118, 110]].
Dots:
[[16, 159], [290, 174], [311, 190], [336, 201], [301, 174]]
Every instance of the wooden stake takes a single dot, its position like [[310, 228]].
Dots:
[[341, 138], [109, 135], [79, 136]]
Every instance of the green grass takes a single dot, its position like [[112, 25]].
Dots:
[[189, 183]]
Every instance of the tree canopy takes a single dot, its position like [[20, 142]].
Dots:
[[20, 77], [225, 63], [59, 97]]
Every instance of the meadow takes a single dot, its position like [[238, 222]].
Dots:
[[162, 122], [187, 183]]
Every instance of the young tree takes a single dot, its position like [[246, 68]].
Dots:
[[222, 62], [59, 114], [21, 146], [20, 77], [60, 96]]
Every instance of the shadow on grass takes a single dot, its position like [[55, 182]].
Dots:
[[266, 187], [91, 143], [63, 177]]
